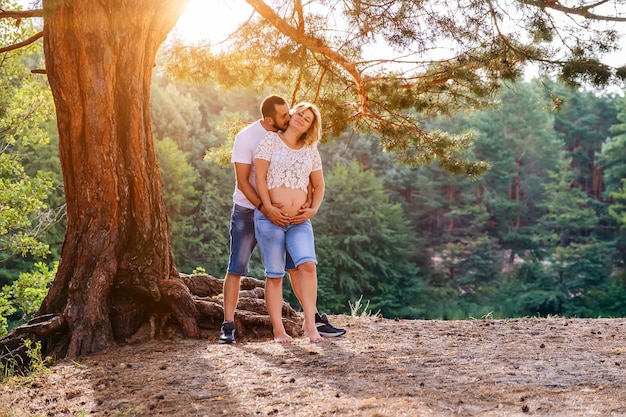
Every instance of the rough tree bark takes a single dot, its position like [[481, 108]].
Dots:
[[116, 272], [116, 254]]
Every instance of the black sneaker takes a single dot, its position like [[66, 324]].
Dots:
[[227, 333], [325, 328]]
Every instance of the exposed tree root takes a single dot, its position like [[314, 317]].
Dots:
[[200, 294]]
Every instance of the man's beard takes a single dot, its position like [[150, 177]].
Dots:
[[281, 128]]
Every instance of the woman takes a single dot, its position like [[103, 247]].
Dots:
[[285, 162]]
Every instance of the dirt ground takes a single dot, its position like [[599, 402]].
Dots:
[[517, 367]]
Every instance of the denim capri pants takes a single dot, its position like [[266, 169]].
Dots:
[[277, 242]]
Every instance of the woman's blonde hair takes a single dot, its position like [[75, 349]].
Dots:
[[315, 131]]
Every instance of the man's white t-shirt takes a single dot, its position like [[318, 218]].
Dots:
[[246, 143]]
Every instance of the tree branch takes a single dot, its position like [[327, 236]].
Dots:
[[21, 14], [22, 44], [314, 45], [584, 10]]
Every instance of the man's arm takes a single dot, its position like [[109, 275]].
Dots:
[[242, 172]]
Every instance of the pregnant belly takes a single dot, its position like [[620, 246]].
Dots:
[[290, 198]]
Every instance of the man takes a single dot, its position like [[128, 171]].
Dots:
[[275, 116]]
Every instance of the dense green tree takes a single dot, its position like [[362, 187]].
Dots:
[[177, 115], [510, 202], [614, 149], [583, 119], [520, 143], [211, 223], [614, 173], [417, 189], [24, 296], [25, 106], [46, 159], [180, 196], [575, 262], [618, 208], [365, 247], [470, 257]]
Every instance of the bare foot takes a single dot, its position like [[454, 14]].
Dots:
[[315, 338], [282, 338], [312, 332]]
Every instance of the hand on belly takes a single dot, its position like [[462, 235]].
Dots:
[[291, 200]]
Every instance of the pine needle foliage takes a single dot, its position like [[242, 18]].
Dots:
[[382, 67]]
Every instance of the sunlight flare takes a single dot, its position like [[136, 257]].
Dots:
[[211, 20]]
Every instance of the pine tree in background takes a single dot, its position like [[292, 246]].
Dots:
[[180, 196], [614, 175], [577, 263], [365, 247], [520, 141], [614, 149], [583, 120]]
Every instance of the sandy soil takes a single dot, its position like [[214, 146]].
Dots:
[[547, 367]]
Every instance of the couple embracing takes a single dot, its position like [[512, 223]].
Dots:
[[279, 188]]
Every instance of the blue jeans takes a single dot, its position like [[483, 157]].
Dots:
[[243, 241], [278, 243]]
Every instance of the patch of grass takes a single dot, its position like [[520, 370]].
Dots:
[[548, 317], [488, 316], [10, 366], [358, 309]]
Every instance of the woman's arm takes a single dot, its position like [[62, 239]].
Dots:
[[309, 195], [319, 187], [316, 182], [262, 167]]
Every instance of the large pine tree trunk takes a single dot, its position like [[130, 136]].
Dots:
[[116, 276], [116, 264]]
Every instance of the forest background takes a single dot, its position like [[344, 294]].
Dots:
[[541, 233]]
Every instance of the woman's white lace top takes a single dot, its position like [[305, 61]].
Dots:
[[288, 167]]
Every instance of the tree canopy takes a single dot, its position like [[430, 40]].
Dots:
[[376, 66]]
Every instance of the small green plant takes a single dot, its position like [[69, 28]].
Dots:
[[488, 316], [199, 270], [10, 366], [358, 309], [38, 363]]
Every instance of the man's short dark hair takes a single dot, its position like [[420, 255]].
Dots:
[[269, 103]]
